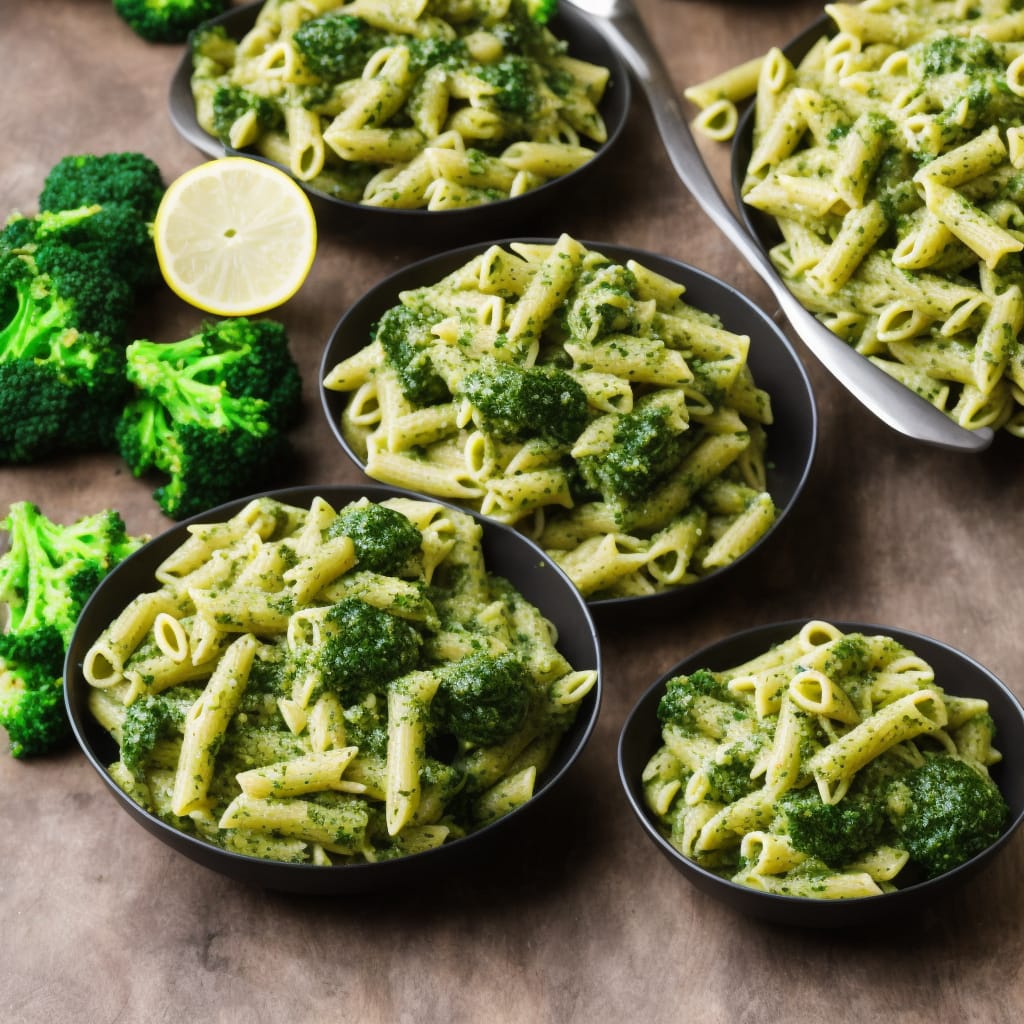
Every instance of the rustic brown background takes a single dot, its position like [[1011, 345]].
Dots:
[[99, 922]]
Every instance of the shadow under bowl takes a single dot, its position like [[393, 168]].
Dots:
[[640, 737], [792, 437], [506, 554], [584, 42]]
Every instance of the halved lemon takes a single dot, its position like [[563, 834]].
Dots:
[[234, 236]]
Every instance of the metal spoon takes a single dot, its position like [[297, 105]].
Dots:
[[892, 402]]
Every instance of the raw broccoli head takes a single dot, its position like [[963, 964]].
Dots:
[[235, 370], [48, 286], [210, 412], [251, 358], [205, 465], [405, 335], [336, 46], [114, 233], [65, 399], [518, 402], [47, 574], [49, 570], [644, 449], [91, 179], [483, 698], [945, 812], [384, 539], [167, 21], [32, 691], [364, 648]]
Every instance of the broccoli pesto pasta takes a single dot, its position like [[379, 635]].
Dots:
[[890, 157], [420, 104], [832, 766], [582, 400], [331, 686]]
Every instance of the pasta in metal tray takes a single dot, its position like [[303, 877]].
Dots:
[[890, 158]]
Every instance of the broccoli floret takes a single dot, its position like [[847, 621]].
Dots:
[[405, 335], [167, 21], [66, 397], [729, 774], [231, 102], [149, 718], [49, 285], [521, 30], [945, 812], [363, 649], [251, 358], [682, 693], [68, 282], [644, 449], [92, 179], [834, 833], [518, 402], [49, 570], [113, 233], [541, 11], [516, 80], [47, 574], [483, 698], [32, 691], [384, 539], [337, 46], [210, 412]]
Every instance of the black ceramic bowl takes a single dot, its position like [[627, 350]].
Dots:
[[761, 226], [792, 438], [584, 42], [641, 736], [507, 554]]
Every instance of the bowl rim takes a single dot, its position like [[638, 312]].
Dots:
[[616, 100], [390, 285], [800, 909], [209, 854]]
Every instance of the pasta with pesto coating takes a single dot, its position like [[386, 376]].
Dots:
[[889, 157], [582, 400], [834, 766], [352, 685], [433, 104]]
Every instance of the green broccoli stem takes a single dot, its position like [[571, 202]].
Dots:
[[32, 580], [168, 372], [30, 332]]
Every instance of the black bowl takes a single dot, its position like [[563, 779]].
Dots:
[[507, 554], [568, 24], [792, 438], [641, 736], [760, 225]]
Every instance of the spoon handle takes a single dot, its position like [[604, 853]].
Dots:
[[889, 400]]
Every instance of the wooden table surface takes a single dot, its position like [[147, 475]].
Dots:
[[100, 922]]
